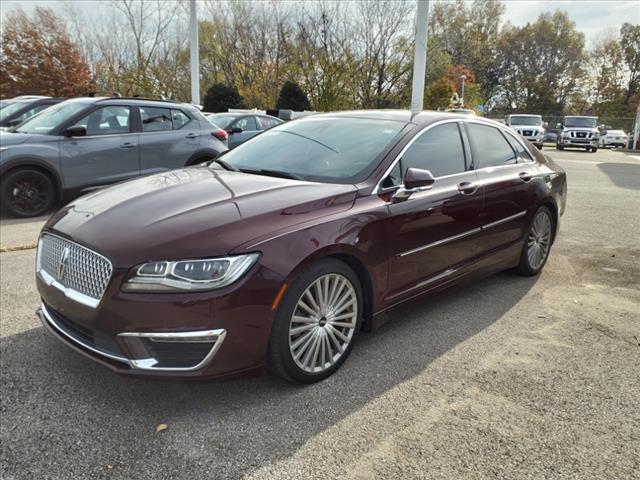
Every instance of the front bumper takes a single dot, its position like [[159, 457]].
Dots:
[[152, 360], [578, 142], [206, 334]]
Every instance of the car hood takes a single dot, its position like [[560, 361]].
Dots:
[[11, 138], [192, 213]]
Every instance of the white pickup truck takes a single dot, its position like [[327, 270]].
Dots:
[[529, 126]]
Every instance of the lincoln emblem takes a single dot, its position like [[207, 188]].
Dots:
[[63, 262]]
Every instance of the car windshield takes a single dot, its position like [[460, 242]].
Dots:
[[529, 120], [50, 118], [322, 149], [12, 108], [587, 122]]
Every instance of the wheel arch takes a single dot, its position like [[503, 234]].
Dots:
[[348, 255]]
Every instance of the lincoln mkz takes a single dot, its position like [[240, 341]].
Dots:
[[278, 253]]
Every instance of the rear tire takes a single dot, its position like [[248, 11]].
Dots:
[[27, 193], [537, 243], [317, 323]]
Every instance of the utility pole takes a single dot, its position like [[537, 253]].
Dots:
[[419, 57], [195, 57], [463, 78]]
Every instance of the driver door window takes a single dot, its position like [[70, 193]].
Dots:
[[438, 150], [111, 120]]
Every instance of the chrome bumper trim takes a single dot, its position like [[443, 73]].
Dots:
[[215, 336]]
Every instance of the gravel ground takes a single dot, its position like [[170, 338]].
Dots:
[[509, 378]]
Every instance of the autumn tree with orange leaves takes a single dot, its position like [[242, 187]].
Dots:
[[40, 57]]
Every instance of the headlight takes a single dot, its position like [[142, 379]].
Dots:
[[188, 275]]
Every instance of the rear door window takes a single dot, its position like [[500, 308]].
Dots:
[[265, 123], [247, 124], [180, 119], [522, 152], [438, 150], [156, 119], [490, 148]]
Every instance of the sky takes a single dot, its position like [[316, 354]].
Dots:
[[595, 18]]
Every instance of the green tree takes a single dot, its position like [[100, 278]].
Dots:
[[540, 65], [292, 97], [630, 44], [221, 97]]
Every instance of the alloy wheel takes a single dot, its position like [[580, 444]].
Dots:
[[28, 195], [323, 323], [539, 240]]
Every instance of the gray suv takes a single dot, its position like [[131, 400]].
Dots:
[[88, 142]]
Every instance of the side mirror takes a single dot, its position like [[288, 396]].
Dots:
[[545, 124], [558, 125], [415, 179], [75, 132], [235, 130]]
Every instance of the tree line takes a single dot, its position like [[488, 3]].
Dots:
[[341, 55]]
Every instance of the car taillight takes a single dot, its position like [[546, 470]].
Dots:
[[220, 134]]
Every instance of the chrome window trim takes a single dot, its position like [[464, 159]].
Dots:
[[462, 235], [70, 292], [378, 188]]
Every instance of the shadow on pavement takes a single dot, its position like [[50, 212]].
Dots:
[[66, 417], [624, 175]]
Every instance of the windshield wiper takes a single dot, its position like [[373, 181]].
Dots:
[[272, 173], [225, 165]]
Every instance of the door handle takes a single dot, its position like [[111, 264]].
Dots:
[[524, 176], [128, 145], [191, 135], [467, 188]]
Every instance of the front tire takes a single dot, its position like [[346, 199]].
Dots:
[[537, 244], [27, 193], [317, 323]]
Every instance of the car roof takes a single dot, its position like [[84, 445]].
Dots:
[[422, 118], [524, 115], [134, 101]]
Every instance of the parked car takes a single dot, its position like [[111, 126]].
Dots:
[[20, 109], [613, 138], [241, 126], [578, 132], [529, 126], [88, 142], [279, 252], [551, 137]]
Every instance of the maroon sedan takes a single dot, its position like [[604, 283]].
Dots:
[[278, 253]]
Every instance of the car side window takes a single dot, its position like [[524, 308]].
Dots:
[[156, 119], [246, 124], [265, 123], [180, 119], [522, 152], [438, 150], [110, 120], [490, 148]]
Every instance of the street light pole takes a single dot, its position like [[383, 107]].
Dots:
[[463, 77], [195, 58], [419, 57]]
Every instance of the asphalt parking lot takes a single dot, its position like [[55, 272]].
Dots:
[[514, 377]]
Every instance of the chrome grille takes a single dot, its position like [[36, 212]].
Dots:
[[74, 267]]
